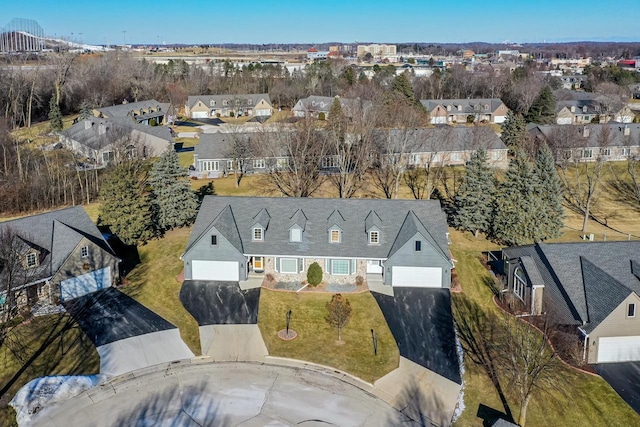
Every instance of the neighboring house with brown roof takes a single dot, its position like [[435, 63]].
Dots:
[[451, 111], [142, 112], [211, 106], [65, 256], [100, 141], [591, 286]]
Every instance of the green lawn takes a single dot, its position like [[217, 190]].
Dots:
[[580, 400], [153, 283], [37, 349], [317, 341]]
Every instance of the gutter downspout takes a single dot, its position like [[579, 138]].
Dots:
[[584, 346]]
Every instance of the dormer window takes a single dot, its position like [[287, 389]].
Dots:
[[32, 260], [418, 245], [212, 103], [374, 237], [295, 235], [258, 234], [84, 251], [249, 101], [334, 236]]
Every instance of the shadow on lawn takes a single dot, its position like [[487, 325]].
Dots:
[[477, 331]]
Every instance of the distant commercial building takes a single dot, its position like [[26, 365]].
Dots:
[[377, 50], [313, 54]]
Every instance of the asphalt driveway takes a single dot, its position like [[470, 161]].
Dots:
[[625, 379], [109, 315], [127, 335]]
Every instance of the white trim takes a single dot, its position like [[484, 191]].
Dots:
[[254, 236]]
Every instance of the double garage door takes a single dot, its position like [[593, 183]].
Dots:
[[618, 349], [215, 270], [423, 277], [85, 284], [199, 115]]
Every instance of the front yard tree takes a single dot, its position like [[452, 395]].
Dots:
[[126, 207], [239, 151], [55, 116], [174, 204], [528, 361], [339, 313], [552, 212], [474, 201], [518, 204]]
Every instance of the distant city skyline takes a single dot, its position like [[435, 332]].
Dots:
[[286, 21]]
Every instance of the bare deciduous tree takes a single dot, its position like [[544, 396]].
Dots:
[[294, 158], [339, 313]]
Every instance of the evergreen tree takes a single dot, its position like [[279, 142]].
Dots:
[[85, 111], [473, 203], [55, 116], [543, 110], [126, 208], [552, 212], [513, 130], [518, 204], [402, 88], [174, 204]]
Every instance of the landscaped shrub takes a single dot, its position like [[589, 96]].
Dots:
[[359, 280], [153, 122], [471, 118], [322, 116], [314, 274]]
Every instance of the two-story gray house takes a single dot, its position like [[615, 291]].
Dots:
[[591, 286], [395, 242]]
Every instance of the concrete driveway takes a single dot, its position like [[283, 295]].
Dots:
[[625, 380], [127, 335], [225, 394]]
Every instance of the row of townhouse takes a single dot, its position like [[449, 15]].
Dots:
[[448, 146], [574, 108], [589, 143]]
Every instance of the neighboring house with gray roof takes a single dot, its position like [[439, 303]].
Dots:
[[592, 286], [450, 111], [100, 141], [318, 107], [589, 143], [141, 112], [393, 242], [579, 107], [445, 145], [210, 106], [65, 256]]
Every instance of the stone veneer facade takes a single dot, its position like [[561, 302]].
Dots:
[[361, 270]]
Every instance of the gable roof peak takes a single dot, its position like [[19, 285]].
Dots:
[[335, 218], [262, 218]]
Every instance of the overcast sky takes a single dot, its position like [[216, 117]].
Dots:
[[306, 21]]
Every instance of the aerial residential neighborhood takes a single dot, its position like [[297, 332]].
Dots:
[[313, 221]]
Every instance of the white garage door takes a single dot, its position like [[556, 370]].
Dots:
[[87, 283], [424, 277], [199, 115], [215, 270], [618, 349]]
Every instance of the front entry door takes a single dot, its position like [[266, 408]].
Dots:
[[258, 263]]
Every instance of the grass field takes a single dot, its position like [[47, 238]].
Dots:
[[317, 341], [38, 349]]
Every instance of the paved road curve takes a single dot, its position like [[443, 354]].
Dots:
[[225, 394]]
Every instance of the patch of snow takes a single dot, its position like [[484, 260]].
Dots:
[[460, 405], [46, 309], [40, 393]]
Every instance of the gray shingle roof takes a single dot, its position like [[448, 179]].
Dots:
[[426, 216], [468, 106], [98, 133], [255, 98], [532, 271], [58, 233], [445, 138], [570, 287], [124, 110], [614, 133], [602, 293], [218, 145], [323, 104]]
